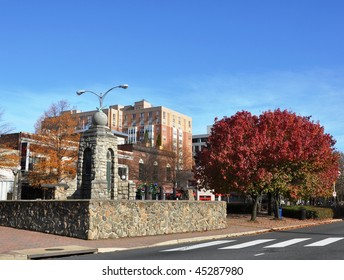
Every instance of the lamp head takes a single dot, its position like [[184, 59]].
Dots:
[[124, 86], [79, 92]]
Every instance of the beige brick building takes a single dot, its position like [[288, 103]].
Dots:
[[153, 126]]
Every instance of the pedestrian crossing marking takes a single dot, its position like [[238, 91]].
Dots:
[[197, 246], [258, 255], [281, 244], [325, 242], [287, 243], [247, 244]]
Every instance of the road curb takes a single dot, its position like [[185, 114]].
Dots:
[[50, 252]]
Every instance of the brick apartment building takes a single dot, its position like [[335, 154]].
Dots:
[[147, 165], [154, 126]]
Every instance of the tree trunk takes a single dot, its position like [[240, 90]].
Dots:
[[254, 208], [277, 206], [174, 194], [269, 204], [259, 206]]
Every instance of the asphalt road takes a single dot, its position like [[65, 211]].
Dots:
[[324, 242]]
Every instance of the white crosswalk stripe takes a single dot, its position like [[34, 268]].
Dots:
[[325, 242], [287, 243], [197, 246], [281, 244], [247, 244]]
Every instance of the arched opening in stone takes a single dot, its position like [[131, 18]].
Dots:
[[110, 168], [86, 174]]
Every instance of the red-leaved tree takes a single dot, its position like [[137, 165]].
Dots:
[[298, 154], [278, 152], [232, 159]]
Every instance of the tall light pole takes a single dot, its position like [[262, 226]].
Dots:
[[334, 190], [101, 96], [16, 190]]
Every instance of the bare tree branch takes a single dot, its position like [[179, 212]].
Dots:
[[4, 126]]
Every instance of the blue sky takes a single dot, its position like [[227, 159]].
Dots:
[[203, 58]]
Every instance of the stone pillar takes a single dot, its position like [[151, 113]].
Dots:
[[191, 195], [97, 164], [126, 190], [132, 190]]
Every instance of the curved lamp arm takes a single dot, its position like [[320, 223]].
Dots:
[[101, 96]]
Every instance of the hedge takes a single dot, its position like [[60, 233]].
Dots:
[[239, 208], [312, 212]]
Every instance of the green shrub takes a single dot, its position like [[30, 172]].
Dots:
[[339, 211], [239, 208], [312, 212]]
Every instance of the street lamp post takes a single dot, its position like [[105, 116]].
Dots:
[[101, 96], [16, 191], [334, 190]]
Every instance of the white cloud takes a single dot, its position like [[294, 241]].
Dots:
[[318, 93]]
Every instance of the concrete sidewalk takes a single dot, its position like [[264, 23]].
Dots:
[[24, 244]]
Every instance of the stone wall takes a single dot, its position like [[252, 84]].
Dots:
[[102, 219], [110, 219], [61, 217]]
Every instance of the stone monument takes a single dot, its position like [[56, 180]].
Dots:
[[97, 176], [97, 163]]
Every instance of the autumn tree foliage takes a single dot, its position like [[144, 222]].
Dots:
[[8, 157], [298, 154], [232, 159], [277, 152], [56, 146]]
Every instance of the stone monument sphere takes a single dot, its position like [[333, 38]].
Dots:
[[99, 118]]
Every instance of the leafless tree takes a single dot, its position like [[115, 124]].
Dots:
[[4, 126]]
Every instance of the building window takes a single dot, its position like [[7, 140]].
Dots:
[[89, 120], [168, 173], [114, 119], [132, 135], [155, 171], [141, 170], [123, 172]]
